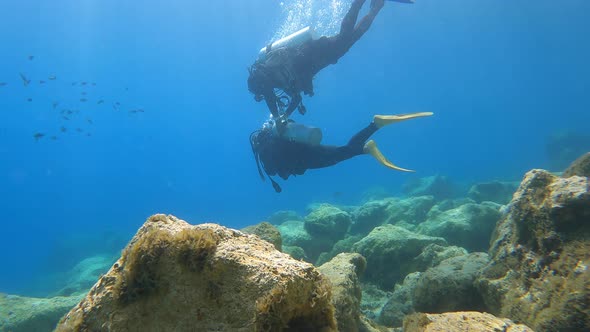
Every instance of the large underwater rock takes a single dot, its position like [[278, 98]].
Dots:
[[389, 251], [343, 272], [494, 191], [540, 253], [368, 216], [267, 232], [26, 314], [409, 211], [399, 304], [175, 276], [469, 321], [469, 226], [449, 285], [580, 167], [327, 222], [280, 217]]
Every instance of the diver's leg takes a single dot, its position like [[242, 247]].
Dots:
[[357, 141], [347, 25], [366, 21]]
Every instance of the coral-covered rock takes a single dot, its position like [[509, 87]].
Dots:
[[449, 285], [389, 251], [580, 167], [344, 245], [25, 314], [296, 252], [328, 222], [369, 216], [469, 226], [400, 303], [495, 191], [412, 210], [343, 272], [540, 253], [267, 232], [433, 254], [438, 186], [461, 321], [174, 276]]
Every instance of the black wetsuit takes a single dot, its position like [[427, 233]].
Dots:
[[283, 157], [291, 69]]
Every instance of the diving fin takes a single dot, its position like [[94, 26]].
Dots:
[[371, 148], [384, 120]]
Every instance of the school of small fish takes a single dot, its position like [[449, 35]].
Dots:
[[66, 113]]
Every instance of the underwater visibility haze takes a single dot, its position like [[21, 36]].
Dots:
[[112, 111]]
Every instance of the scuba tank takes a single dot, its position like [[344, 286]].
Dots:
[[299, 133], [293, 39]]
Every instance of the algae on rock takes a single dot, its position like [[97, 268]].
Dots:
[[173, 275]]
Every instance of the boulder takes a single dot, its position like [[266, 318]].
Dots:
[[469, 226], [267, 232], [495, 191], [433, 254], [461, 321], [296, 252], [369, 216], [438, 186], [175, 276], [540, 253], [344, 245], [389, 251], [373, 300], [294, 234], [412, 210], [580, 167], [449, 285], [400, 303], [25, 314], [343, 272], [327, 222]]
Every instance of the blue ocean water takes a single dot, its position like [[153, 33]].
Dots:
[[500, 76]]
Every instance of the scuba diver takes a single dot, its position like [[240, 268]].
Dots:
[[297, 150], [289, 65]]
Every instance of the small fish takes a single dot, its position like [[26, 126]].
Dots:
[[140, 110], [52, 77], [83, 83], [115, 107], [93, 84], [38, 136], [84, 93], [3, 83], [41, 82], [69, 112], [117, 103], [65, 117], [83, 100], [74, 83], [54, 104], [29, 99], [31, 57], [63, 129], [89, 121], [53, 138], [25, 80], [79, 130], [88, 134], [100, 102]]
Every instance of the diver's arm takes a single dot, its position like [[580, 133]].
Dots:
[[271, 102], [295, 101]]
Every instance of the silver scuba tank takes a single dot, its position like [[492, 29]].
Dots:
[[299, 133], [293, 39]]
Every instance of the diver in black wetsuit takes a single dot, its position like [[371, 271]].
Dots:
[[291, 69], [284, 157]]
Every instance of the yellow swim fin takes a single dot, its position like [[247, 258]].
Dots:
[[384, 120], [371, 148]]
